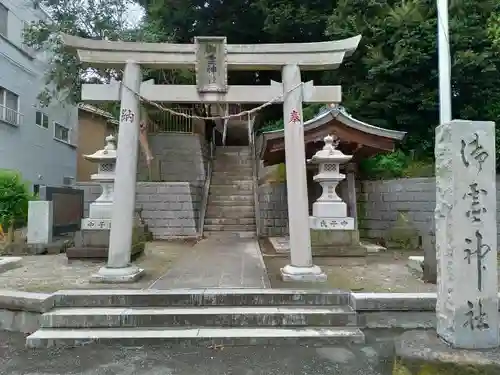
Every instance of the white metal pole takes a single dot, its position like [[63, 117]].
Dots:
[[444, 62]]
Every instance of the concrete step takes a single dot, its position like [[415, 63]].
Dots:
[[235, 150], [236, 169], [214, 197], [211, 316], [228, 164], [223, 180], [236, 186], [199, 297], [230, 211], [230, 228], [229, 221], [310, 336], [229, 235], [239, 201], [236, 174], [223, 191]]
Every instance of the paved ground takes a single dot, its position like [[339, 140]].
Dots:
[[371, 359], [211, 262], [218, 262]]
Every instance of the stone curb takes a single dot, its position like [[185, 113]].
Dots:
[[22, 311], [25, 301], [373, 302], [9, 262], [393, 301]]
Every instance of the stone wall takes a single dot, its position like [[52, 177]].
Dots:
[[378, 205], [170, 209], [177, 157], [273, 210]]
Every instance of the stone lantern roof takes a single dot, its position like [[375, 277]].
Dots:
[[329, 153], [107, 154]]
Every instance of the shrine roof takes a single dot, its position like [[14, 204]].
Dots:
[[357, 137]]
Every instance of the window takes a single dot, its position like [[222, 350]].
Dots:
[[9, 107], [42, 120], [61, 132], [4, 15]]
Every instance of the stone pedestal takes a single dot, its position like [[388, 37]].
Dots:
[[40, 222], [466, 234], [336, 243], [94, 244]]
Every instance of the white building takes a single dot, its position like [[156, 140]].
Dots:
[[36, 141]]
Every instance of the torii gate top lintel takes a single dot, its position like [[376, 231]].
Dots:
[[308, 56]]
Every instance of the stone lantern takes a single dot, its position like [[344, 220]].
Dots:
[[329, 211], [92, 241], [100, 209]]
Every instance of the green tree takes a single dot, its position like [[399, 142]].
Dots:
[[14, 198], [93, 19], [392, 80]]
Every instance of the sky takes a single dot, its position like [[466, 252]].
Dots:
[[135, 13]]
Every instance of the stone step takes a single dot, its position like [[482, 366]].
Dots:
[[234, 174], [199, 297], [232, 163], [233, 151], [239, 201], [230, 211], [229, 197], [230, 228], [310, 336], [233, 159], [236, 186], [223, 191], [211, 316], [235, 169], [230, 149], [230, 235], [229, 221], [224, 180]]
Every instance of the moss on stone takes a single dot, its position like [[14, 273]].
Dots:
[[361, 217], [403, 234], [404, 367]]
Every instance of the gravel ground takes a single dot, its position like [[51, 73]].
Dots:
[[379, 272], [49, 273]]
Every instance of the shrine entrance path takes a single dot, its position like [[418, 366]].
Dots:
[[217, 262]]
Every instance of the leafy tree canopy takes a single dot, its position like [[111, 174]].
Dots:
[[93, 19], [391, 81]]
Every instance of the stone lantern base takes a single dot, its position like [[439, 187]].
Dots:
[[92, 242], [336, 243]]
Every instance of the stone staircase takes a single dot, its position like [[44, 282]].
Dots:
[[198, 317], [230, 205]]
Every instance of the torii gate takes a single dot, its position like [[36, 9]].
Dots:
[[211, 57]]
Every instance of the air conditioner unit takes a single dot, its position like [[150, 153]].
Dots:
[[68, 181]]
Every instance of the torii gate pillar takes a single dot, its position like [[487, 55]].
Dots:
[[301, 267], [119, 269]]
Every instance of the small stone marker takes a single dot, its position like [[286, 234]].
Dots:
[[40, 222], [466, 234]]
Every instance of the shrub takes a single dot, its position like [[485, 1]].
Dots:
[[14, 198]]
